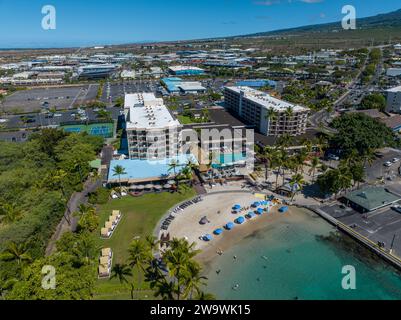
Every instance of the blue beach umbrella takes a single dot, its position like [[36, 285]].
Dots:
[[218, 232], [260, 211], [208, 237], [250, 215], [256, 204], [240, 220], [283, 209], [237, 207], [229, 226]]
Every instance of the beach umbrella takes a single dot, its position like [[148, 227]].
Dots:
[[140, 187], [133, 187], [149, 186], [250, 215], [283, 209], [171, 182], [204, 220], [240, 220], [237, 207], [256, 204], [167, 186], [260, 211], [208, 237], [218, 232], [229, 226], [158, 187]]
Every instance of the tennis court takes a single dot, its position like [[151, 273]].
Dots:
[[105, 130]]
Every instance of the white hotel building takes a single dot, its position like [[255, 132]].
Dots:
[[152, 132], [252, 107]]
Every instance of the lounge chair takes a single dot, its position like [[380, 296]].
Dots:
[[109, 226], [105, 233], [105, 261], [106, 252]]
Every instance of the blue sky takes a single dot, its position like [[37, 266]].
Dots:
[[90, 22]]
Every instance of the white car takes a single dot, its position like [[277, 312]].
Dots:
[[394, 160], [388, 164]]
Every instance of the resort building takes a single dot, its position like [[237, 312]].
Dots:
[[178, 86], [152, 131], [270, 116], [394, 100]]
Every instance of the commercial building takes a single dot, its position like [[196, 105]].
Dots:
[[178, 86], [393, 72], [96, 71], [394, 100], [255, 107], [186, 71], [370, 199], [152, 132]]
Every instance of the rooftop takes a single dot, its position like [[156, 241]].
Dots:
[[372, 198], [147, 112], [266, 100], [395, 89], [184, 68]]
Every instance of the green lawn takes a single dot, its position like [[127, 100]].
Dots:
[[139, 218], [184, 119]]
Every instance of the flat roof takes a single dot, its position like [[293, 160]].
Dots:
[[372, 198], [147, 170], [266, 100], [395, 89], [148, 112], [184, 68], [191, 86]]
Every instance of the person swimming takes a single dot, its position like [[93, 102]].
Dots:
[[218, 271], [236, 287], [264, 257], [235, 257]]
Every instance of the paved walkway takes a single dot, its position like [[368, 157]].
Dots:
[[76, 199]]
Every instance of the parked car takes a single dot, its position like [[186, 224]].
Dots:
[[394, 160], [388, 164], [397, 208], [333, 157]]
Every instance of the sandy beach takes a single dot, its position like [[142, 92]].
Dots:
[[218, 210]]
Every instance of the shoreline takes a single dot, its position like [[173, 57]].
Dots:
[[251, 228]]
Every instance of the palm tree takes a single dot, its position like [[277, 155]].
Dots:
[[9, 212], [289, 112], [173, 165], [122, 272], [84, 210], [368, 157], [193, 280], [296, 183], [152, 242], [315, 162], [271, 116], [119, 171], [139, 254], [16, 252]]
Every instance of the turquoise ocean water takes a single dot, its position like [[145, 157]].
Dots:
[[290, 260]]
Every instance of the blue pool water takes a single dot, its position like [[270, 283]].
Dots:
[[290, 260], [229, 158]]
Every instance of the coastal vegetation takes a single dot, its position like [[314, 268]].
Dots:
[[37, 178]]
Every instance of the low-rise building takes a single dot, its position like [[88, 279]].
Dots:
[[186, 70]]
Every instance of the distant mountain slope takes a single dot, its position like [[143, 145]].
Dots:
[[386, 20]]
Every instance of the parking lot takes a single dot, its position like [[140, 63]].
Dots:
[[35, 120], [112, 91], [60, 98], [381, 225]]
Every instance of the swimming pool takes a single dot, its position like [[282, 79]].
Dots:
[[228, 159]]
